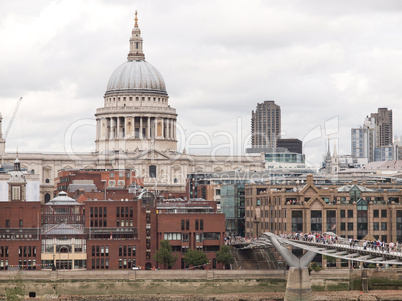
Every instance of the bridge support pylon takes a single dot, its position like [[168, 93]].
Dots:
[[298, 286]]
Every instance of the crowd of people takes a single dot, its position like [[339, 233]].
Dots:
[[329, 239]]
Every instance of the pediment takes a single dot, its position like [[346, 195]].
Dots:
[[316, 203], [152, 155], [309, 190]]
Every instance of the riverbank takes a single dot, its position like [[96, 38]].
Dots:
[[272, 296]]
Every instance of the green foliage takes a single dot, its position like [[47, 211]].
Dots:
[[372, 266], [315, 267], [17, 292], [224, 255], [195, 258], [164, 255]]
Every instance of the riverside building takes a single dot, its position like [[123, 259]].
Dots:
[[358, 211]]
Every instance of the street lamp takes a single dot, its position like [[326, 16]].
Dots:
[[105, 187]]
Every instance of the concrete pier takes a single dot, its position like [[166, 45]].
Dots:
[[298, 287]]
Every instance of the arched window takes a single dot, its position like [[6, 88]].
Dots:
[[47, 198]]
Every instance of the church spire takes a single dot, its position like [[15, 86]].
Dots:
[[136, 53]]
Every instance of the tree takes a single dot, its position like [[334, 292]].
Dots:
[[196, 258], [224, 255], [164, 255]]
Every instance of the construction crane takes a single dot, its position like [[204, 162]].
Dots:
[[12, 118]]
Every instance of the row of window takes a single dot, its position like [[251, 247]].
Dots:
[[199, 237], [100, 251], [4, 251], [100, 263], [125, 263], [20, 223], [16, 236], [198, 224], [26, 251], [127, 251], [121, 175], [98, 211], [124, 211], [130, 98]]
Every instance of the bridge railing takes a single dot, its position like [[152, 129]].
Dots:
[[352, 244]]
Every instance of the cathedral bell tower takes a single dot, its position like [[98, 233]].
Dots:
[[17, 184]]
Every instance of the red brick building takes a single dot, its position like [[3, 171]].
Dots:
[[104, 234], [93, 183]]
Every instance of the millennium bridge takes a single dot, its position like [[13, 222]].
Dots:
[[298, 285]]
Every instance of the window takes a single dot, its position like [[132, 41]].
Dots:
[[182, 224], [350, 213], [184, 237], [343, 226], [383, 226], [350, 226], [196, 224], [201, 224], [16, 193], [187, 224], [21, 223], [7, 223], [152, 171], [376, 226], [172, 236], [383, 213], [343, 213], [376, 213]]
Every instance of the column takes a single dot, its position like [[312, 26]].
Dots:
[[141, 137], [107, 128], [171, 129], [174, 129], [111, 135], [118, 127], [167, 128], [124, 127], [148, 127], [163, 129], [97, 129]]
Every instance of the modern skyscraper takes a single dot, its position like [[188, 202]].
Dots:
[[371, 139], [265, 125], [383, 121], [364, 140]]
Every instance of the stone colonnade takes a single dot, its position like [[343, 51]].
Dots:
[[140, 127]]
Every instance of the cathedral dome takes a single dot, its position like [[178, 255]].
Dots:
[[136, 75]]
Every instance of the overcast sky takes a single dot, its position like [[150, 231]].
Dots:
[[328, 64]]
